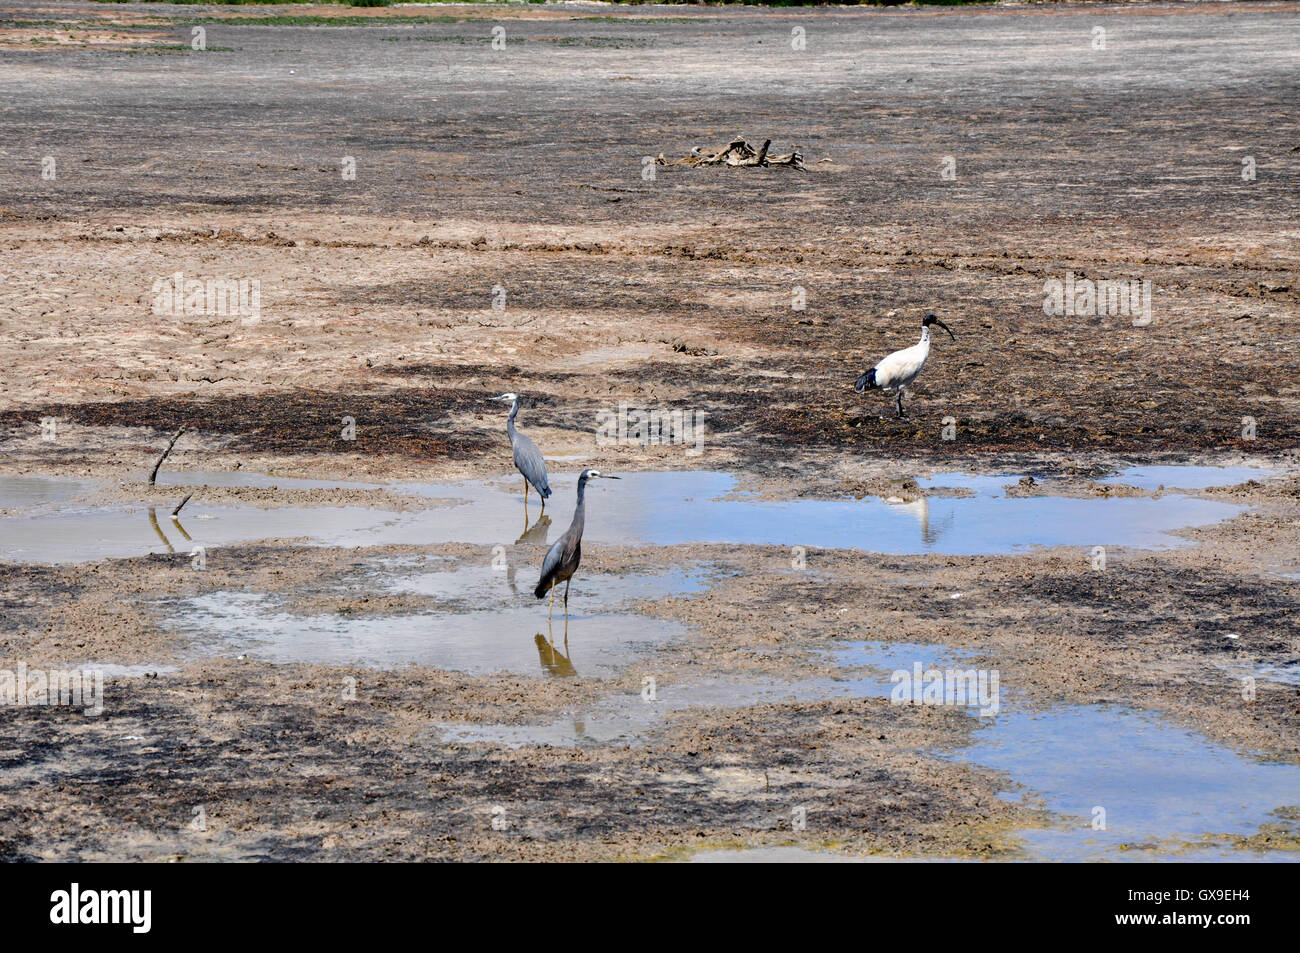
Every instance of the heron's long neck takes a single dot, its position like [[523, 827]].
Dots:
[[510, 421], [580, 511]]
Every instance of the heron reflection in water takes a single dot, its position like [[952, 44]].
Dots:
[[532, 536], [554, 662]]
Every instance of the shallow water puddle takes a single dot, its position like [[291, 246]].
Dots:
[[490, 625], [1157, 783], [1187, 478], [34, 492], [672, 508], [632, 718], [663, 508], [83, 535], [1163, 788]]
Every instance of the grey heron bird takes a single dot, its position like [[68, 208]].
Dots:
[[528, 459], [564, 555], [901, 368]]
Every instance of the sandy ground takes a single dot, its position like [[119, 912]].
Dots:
[[520, 171]]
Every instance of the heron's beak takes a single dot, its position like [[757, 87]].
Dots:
[[946, 328], [609, 476]]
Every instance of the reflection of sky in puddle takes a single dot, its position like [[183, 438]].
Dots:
[[666, 508], [686, 507], [476, 584], [491, 627], [1155, 781], [31, 492], [630, 717], [1187, 478]]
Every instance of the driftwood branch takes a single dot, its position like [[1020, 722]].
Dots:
[[739, 154], [176, 511], [171, 443]]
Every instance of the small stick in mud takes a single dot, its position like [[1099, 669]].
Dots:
[[171, 443], [180, 504]]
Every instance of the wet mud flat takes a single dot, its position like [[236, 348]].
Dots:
[[398, 700]]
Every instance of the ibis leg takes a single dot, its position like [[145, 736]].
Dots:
[[899, 404]]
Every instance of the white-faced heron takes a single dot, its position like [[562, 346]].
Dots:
[[563, 557], [528, 459]]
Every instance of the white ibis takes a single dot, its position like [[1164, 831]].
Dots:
[[899, 369]]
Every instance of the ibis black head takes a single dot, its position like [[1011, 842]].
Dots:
[[934, 319]]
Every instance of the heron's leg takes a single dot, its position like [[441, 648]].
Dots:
[[525, 493], [566, 599], [552, 608]]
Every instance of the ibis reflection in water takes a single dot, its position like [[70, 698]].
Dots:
[[919, 510]]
